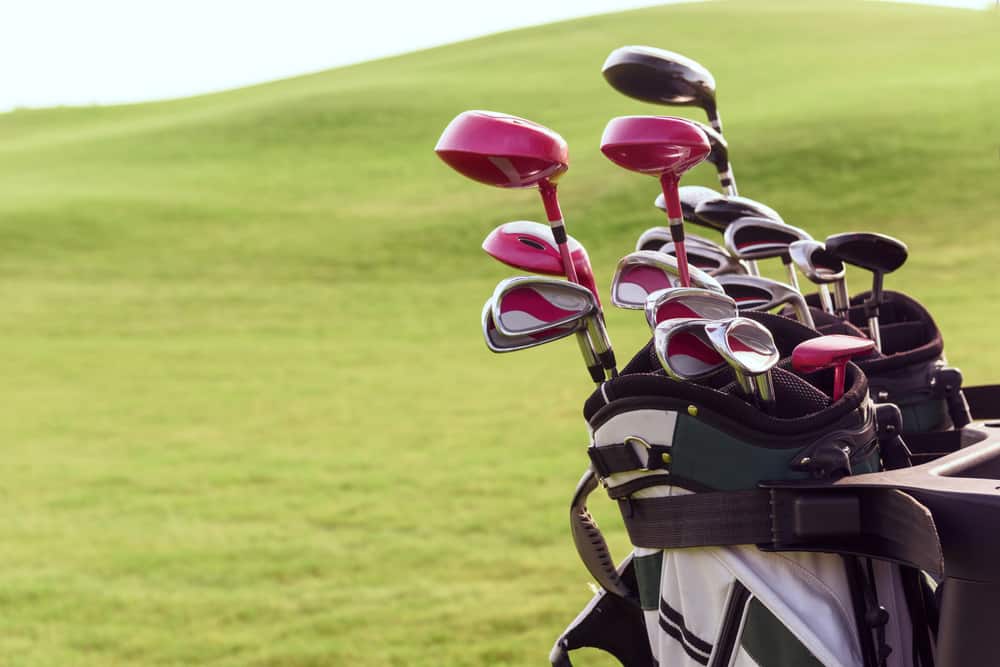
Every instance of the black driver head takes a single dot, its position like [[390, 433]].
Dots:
[[660, 77], [877, 253], [690, 196]]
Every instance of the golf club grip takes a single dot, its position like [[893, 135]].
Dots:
[[589, 540]]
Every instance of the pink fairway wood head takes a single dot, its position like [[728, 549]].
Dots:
[[530, 246], [828, 351], [654, 145], [502, 150]]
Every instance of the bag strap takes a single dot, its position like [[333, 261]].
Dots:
[[880, 523]]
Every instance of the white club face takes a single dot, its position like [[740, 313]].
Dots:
[[533, 305]]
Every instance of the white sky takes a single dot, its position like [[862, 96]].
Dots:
[[75, 52]]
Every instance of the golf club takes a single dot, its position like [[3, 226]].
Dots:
[[643, 272], [877, 253], [753, 238], [684, 349], [830, 352], [763, 294], [688, 302], [664, 147], [662, 77], [749, 348], [709, 260], [690, 196], [530, 246], [510, 152], [822, 268], [528, 305]]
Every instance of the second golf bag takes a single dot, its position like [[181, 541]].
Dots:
[[720, 573]]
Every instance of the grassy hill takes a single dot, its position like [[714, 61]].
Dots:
[[248, 418]]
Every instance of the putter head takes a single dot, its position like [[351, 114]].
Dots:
[[643, 272], [500, 342], [745, 344], [688, 302], [684, 350], [660, 77], [829, 351], [815, 263], [711, 261], [530, 246], [502, 150], [877, 253], [719, 212], [690, 196], [656, 145], [528, 305], [761, 238]]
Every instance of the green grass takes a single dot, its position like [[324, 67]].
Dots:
[[247, 415]]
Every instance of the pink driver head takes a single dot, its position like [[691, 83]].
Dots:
[[655, 145], [502, 150]]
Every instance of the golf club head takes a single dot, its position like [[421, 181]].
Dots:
[[877, 253], [815, 263], [497, 341], [832, 351], [502, 150], [688, 302], [690, 196], [655, 145], [745, 343], [718, 213], [719, 155], [763, 294], [643, 272], [661, 77], [749, 348], [709, 260], [816, 354], [684, 350], [528, 305], [761, 238], [530, 246], [655, 237]]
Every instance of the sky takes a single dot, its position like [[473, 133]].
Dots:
[[67, 52]]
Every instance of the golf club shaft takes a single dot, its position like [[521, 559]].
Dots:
[[764, 384], [839, 378], [554, 215], [675, 216], [825, 300], [793, 278], [802, 312], [842, 299], [594, 366]]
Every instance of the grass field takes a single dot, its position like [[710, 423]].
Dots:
[[248, 418]]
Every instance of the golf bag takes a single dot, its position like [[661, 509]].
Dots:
[[721, 572], [911, 370]]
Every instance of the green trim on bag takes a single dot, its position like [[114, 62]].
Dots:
[[770, 643], [647, 578], [709, 456]]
